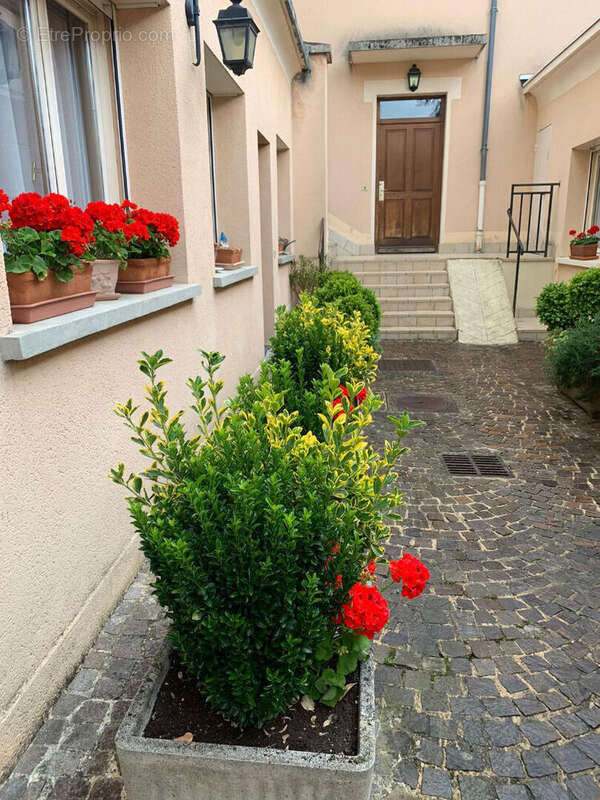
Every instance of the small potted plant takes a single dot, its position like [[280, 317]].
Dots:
[[227, 257], [284, 244], [584, 245], [148, 235], [109, 249], [47, 251], [265, 543]]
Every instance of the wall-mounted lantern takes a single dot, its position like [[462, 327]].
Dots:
[[192, 14], [414, 76], [237, 35]]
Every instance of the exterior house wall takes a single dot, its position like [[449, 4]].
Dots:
[[67, 548], [521, 48]]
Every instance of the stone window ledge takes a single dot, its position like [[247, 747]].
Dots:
[[26, 341], [230, 276], [577, 262], [285, 258]]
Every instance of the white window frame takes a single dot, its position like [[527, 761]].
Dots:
[[104, 95], [592, 200]]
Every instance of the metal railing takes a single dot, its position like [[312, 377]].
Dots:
[[529, 217], [519, 251]]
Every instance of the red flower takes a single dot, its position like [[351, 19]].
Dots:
[[136, 228], [127, 204], [4, 204], [361, 396], [581, 235], [110, 215], [371, 566], [27, 211], [573, 232], [594, 229], [367, 611], [72, 236], [413, 574]]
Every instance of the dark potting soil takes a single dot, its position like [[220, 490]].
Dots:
[[180, 709]]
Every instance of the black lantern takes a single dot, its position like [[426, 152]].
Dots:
[[414, 76], [237, 35]]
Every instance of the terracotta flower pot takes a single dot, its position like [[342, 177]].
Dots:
[[25, 288], [226, 256], [32, 300], [105, 273], [584, 252], [142, 269]]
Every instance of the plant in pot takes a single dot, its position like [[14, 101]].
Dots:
[[584, 245], [47, 250], [264, 542], [227, 257], [109, 250], [149, 235]]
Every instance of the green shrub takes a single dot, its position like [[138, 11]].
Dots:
[[573, 358], [584, 293], [247, 526], [306, 338], [345, 291], [553, 307]]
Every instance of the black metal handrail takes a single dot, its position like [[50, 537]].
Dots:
[[519, 251], [537, 193]]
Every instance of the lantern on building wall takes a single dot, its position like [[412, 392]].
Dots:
[[414, 76], [237, 36]]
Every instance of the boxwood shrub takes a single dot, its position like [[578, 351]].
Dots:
[[247, 525], [348, 295], [306, 338], [562, 305], [573, 359], [584, 293]]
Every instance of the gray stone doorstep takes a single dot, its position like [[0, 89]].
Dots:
[[488, 685]]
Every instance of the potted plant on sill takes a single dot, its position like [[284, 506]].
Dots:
[[109, 249], [264, 542], [47, 245], [584, 245], [149, 236], [227, 257]]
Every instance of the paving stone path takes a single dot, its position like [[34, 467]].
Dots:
[[489, 683]]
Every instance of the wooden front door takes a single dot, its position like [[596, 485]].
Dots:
[[410, 135]]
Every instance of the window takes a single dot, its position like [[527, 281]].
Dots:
[[413, 108], [593, 198], [59, 128]]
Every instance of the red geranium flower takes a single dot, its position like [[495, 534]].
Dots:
[[413, 574], [573, 232], [367, 611], [126, 204], [594, 229], [359, 399], [136, 228], [581, 235], [4, 204]]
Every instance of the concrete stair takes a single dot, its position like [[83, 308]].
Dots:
[[413, 292]]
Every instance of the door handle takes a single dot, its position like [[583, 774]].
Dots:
[[381, 191], [35, 171]]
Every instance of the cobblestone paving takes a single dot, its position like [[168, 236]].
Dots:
[[489, 683]]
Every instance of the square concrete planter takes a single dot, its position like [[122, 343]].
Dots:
[[157, 769]]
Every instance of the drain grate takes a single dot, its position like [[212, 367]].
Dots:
[[484, 466], [421, 402], [407, 365]]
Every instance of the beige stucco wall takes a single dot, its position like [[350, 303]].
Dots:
[[566, 101], [67, 548], [521, 47]]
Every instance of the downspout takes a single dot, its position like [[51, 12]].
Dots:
[[486, 127]]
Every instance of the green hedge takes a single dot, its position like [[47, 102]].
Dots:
[[561, 306], [573, 358], [346, 293]]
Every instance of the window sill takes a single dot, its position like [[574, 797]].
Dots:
[[230, 276], [577, 262], [26, 341], [286, 258]]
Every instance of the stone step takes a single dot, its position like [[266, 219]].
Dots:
[[411, 303], [530, 329], [388, 266], [411, 289], [408, 333], [402, 277], [417, 319]]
